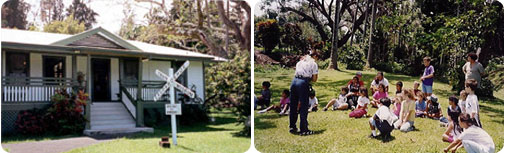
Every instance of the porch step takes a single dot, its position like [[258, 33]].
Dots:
[[118, 131], [110, 117]]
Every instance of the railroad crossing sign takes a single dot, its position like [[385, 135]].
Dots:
[[173, 109]]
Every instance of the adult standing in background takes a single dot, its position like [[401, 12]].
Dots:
[[306, 71], [473, 69]]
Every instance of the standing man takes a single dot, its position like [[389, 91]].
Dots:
[[428, 77], [473, 69], [306, 71]]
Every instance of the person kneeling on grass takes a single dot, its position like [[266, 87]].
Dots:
[[282, 109], [340, 103], [433, 108], [474, 139], [361, 109], [383, 119], [407, 115], [313, 102]]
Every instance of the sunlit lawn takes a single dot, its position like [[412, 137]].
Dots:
[[219, 136], [342, 134]]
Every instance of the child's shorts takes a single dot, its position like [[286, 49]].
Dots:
[[450, 138], [426, 88]]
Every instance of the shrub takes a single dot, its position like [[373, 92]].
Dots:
[[31, 122], [268, 32], [193, 113], [65, 114], [353, 57]]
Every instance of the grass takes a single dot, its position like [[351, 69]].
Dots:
[[220, 136], [339, 133]]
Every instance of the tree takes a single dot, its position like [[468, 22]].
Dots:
[[82, 13], [67, 26], [268, 33], [14, 13], [320, 15], [373, 20], [51, 10]]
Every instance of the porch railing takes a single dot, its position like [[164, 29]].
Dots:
[[34, 89], [148, 91]]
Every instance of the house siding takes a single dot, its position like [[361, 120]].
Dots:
[[149, 68], [195, 77], [114, 79], [35, 65]]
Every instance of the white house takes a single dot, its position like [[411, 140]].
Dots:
[[119, 75]]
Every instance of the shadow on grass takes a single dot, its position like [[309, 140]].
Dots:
[[385, 139], [493, 100], [494, 111], [264, 125]]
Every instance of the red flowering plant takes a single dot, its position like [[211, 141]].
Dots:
[[31, 122], [65, 114]]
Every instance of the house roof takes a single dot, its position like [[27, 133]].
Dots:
[[64, 40]]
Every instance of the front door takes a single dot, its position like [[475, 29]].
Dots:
[[101, 70]]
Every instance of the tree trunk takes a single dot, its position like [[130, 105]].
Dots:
[[366, 19], [353, 27], [373, 18], [335, 36]]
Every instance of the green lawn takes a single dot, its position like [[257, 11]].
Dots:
[[219, 136], [338, 133]]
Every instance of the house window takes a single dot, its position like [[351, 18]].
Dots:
[[130, 70], [17, 64], [53, 66]]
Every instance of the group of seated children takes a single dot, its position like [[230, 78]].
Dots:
[[284, 102], [283, 107], [465, 128]]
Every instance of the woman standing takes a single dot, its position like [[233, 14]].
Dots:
[[306, 71], [473, 69]]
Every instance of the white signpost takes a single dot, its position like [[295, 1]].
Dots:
[[173, 109]]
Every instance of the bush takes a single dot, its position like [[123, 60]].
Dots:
[[65, 114], [31, 122], [193, 113], [353, 57], [323, 64]]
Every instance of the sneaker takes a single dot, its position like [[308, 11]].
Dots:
[[325, 109], [372, 136], [293, 130], [308, 132], [261, 112]]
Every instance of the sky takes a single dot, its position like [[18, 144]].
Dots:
[[110, 12]]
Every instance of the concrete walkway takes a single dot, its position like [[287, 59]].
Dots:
[[55, 146]]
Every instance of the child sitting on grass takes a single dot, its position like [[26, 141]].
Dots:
[[313, 102], [282, 109], [416, 84], [340, 103], [397, 104], [398, 87], [462, 101], [421, 106], [383, 119], [433, 108], [361, 109], [407, 115], [265, 99], [453, 131], [474, 138], [381, 93]]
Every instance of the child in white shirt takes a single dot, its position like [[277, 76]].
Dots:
[[340, 103]]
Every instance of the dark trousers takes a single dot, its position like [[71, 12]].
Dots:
[[299, 92]]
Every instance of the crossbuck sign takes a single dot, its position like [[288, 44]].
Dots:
[[173, 109]]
